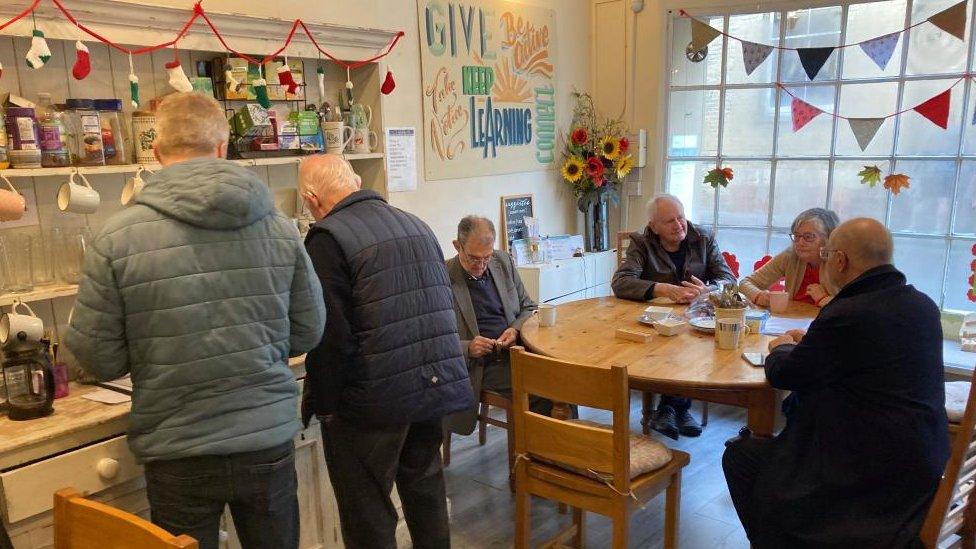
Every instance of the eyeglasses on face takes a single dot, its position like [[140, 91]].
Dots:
[[809, 238], [476, 259]]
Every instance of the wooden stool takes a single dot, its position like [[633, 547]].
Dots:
[[487, 400]]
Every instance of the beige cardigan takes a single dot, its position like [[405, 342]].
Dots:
[[785, 264]]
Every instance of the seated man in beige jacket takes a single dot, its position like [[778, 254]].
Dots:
[[491, 305]]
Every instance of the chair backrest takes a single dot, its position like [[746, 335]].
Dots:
[[80, 523], [946, 516], [580, 446], [623, 241]]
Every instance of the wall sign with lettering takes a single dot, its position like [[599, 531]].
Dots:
[[488, 73], [514, 211]]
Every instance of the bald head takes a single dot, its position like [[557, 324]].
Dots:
[[329, 178], [865, 244]]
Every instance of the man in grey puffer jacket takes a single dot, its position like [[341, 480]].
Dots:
[[202, 291]]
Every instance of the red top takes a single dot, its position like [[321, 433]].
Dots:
[[810, 276]]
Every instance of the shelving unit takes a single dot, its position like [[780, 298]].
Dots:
[[132, 168], [40, 293]]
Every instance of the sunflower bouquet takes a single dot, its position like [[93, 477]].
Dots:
[[597, 155]]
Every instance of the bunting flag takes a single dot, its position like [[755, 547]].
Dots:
[[952, 20], [813, 59], [865, 129], [936, 109], [881, 48], [803, 113], [754, 54], [702, 34]]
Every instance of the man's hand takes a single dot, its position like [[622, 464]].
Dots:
[[480, 346], [762, 299], [797, 335], [508, 338], [784, 339], [696, 286], [678, 294], [817, 292]]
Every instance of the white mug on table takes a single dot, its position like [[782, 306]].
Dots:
[[547, 315], [730, 333]]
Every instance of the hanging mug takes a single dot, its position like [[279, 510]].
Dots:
[[12, 203], [133, 186], [75, 198], [13, 324], [337, 136], [364, 140]]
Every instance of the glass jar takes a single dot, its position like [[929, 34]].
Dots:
[[113, 139], [70, 246], [42, 260], [86, 129], [22, 129], [53, 132], [16, 256], [143, 136]]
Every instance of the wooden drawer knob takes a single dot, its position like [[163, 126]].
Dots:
[[107, 468]]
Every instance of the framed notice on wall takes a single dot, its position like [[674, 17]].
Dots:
[[489, 87], [515, 209]]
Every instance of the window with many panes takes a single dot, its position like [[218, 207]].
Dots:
[[720, 116]]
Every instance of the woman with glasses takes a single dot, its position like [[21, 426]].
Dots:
[[800, 264]]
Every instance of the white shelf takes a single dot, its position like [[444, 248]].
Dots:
[[40, 293], [132, 168]]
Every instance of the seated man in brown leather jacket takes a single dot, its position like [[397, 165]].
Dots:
[[677, 260]]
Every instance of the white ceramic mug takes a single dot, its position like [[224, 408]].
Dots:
[[12, 203], [13, 323], [730, 333], [75, 198], [133, 186], [779, 302], [547, 315], [364, 140], [337, 136]]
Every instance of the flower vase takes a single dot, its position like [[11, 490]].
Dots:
[[597, 225]]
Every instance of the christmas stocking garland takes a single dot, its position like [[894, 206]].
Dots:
[[388, 83], [177, 78], [232, 83], [133, 85], [39, 53], [320, 73], [285, 78], [261, 89], [82, 61]]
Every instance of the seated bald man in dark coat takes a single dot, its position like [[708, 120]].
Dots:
[[866, 439]]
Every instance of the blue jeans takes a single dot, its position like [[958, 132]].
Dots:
[[187, 496]]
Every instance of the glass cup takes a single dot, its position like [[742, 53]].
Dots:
[[42, 266], [72, 244], [16, 258]]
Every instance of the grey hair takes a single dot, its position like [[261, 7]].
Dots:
[[826, 219], [652, 203], [474, 225]]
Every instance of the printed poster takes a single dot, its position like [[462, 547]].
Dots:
[[489, 87]]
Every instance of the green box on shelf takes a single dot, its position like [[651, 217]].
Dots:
[[251, 120], [307, 122]]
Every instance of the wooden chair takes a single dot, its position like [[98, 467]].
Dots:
[[80, 523], [950, 521], [583, 466], [487, 400], [623, 242]]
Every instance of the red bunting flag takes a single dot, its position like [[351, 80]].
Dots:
[[803, 113], [935, 109]]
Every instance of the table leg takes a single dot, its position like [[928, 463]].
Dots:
[[762, 412]]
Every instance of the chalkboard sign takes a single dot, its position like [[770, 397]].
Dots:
[[514, 211]]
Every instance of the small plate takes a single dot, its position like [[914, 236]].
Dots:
[[703, 324]]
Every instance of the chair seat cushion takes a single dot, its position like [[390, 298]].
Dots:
[[646, 455], [956, 395]]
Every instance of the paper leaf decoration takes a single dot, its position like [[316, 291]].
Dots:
[[732, 262], [702, 34], [813, 59], [803, 113], [881, 48], [952, 20], [896, 182], [754, 54], [870, 175], [936, 109], [718, 176], [865, 129]]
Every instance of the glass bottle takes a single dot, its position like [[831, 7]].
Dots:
[[86, 128], [54, 134], [113, 138]]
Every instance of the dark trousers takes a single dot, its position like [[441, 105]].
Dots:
[[742, 462], [678, 403], [364, 462], [187, 496]]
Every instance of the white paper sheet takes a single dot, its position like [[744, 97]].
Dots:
[[401, 159], [777, 325], [107, 396]]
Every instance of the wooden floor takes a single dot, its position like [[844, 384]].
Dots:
[[482, 508]]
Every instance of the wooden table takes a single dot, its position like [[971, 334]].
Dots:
[[687, 365]]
